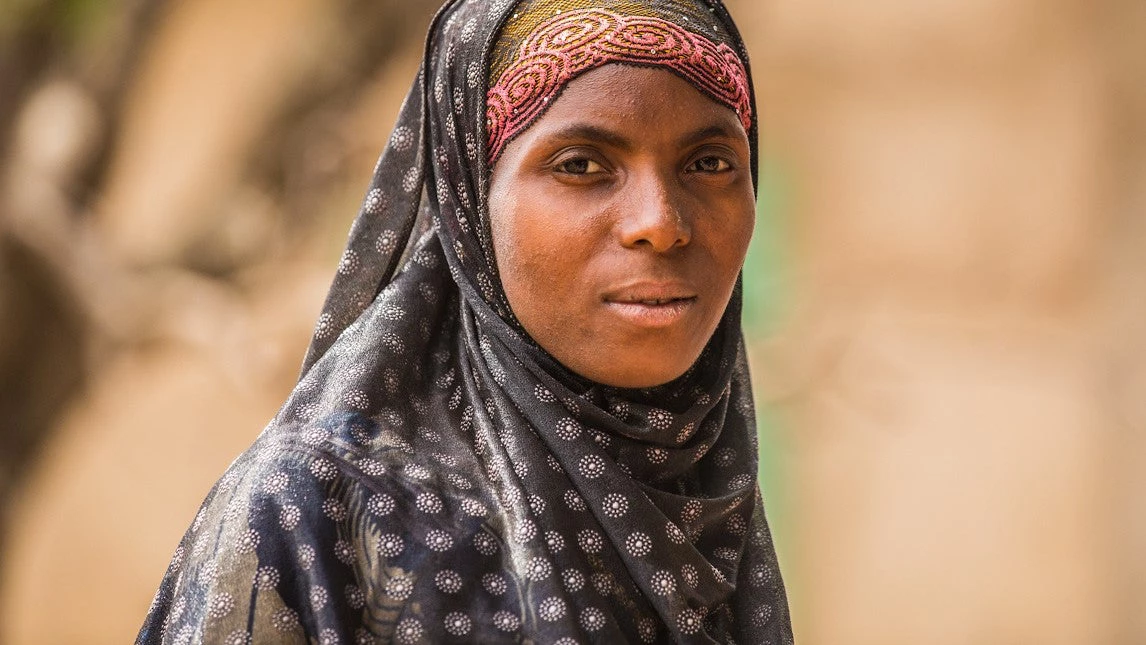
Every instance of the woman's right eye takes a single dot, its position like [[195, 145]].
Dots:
[[579, 166]]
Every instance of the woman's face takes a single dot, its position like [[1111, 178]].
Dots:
[[620, 222]]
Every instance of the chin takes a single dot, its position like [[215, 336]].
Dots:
[[628, 360], [638, 372]]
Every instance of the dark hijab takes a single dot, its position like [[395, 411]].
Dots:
[[437, 477]]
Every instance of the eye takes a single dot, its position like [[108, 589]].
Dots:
[[579, 166], [711, 164]]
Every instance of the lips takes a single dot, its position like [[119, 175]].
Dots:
[[651, 304], [650, 292]]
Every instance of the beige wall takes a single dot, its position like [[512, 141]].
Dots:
[[962, 458]]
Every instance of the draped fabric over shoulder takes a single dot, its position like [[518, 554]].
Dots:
[[435, 476]]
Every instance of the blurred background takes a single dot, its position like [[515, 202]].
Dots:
[[946, 309]]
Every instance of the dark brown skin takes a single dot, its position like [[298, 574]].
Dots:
[[620, 221]]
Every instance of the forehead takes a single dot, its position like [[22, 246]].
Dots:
[[573, 40], [650, 103]]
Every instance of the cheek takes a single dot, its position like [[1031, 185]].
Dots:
[[529, 254], [541, 240], [747, 227], [729, 236], [516, 248]]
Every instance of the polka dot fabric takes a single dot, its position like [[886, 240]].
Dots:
[[436, 477]]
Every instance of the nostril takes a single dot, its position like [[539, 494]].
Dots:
[[660, 236], [657, 223]]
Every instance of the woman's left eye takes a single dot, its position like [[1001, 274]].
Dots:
[[710, 164]]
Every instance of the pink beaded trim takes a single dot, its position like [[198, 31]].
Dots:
[[576, 41]]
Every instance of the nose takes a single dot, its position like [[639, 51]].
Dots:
[[653, 215]]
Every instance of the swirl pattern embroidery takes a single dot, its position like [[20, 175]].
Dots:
[[577, 41]]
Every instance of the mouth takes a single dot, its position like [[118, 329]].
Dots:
[[654, 302], [651, 305]]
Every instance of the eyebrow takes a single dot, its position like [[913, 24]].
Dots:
[[585, 131], [588, 132], [714, 131]]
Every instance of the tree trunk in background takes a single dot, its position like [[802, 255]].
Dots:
[[167, 230], [961, 472]]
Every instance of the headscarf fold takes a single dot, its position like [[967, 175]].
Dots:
[[431, 446]]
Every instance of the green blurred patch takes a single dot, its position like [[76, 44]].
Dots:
[[765, 300], [80, 18], [764, 297], [71, 22]]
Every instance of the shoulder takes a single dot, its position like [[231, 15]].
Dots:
[[303, 531], [312, 486]]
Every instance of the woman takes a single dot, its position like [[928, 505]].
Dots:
[[540, 428]]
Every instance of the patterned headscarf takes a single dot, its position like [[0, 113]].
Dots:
[[546, 44], [436, 475]]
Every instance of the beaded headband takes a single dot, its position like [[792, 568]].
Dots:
[[575, 42]]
